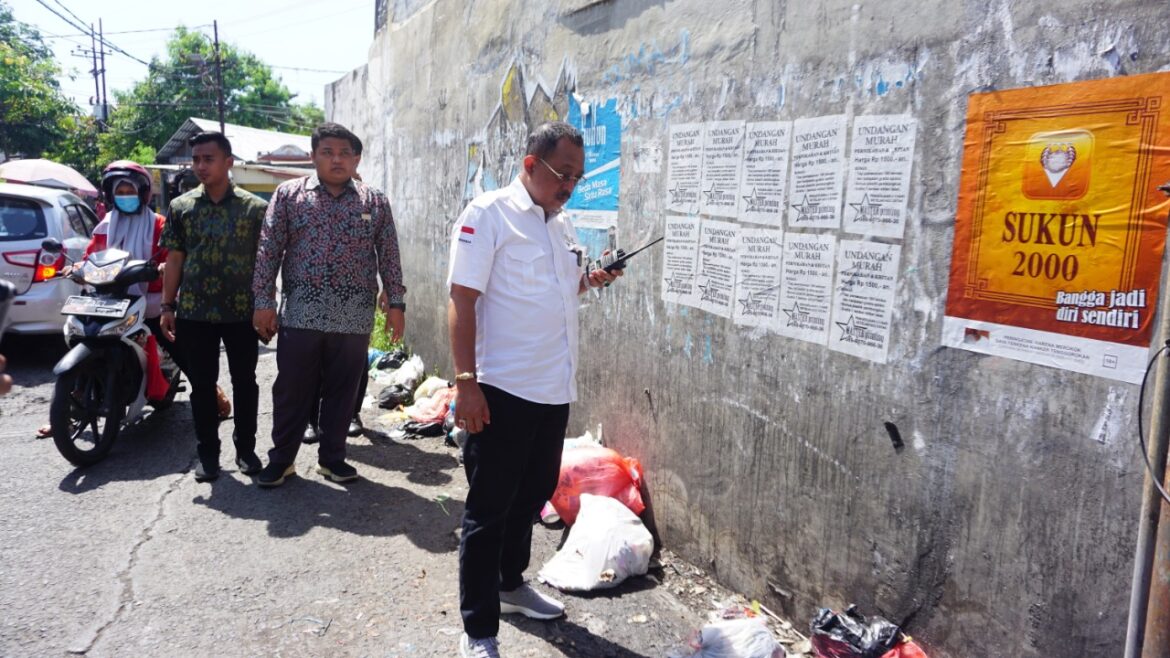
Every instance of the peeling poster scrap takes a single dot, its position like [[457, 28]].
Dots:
[[818, 172], [722, 166], [863, 300], [881, 157], [806, 288], [765, 172], [715, 279], [757, 278], [684, 174]]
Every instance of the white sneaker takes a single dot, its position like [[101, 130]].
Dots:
[[530, 603], [486, 647]]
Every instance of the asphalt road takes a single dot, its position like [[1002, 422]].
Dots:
[[132, 557]]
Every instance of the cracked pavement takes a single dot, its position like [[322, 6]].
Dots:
[[132, 557]]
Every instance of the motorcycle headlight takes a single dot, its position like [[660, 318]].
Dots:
[[122, 327], [98, 275]]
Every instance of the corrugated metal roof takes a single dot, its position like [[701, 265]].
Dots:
[[248, 144]]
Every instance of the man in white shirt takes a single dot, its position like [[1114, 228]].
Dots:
[[515, 274]]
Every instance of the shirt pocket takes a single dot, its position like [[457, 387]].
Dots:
[[525, 270]]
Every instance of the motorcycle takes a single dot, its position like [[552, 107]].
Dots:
[[101, 381]]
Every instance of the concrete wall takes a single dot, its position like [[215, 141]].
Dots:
[[1006, 525]]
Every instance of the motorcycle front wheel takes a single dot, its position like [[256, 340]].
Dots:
[[82, 432]]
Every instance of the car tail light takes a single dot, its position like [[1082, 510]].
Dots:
[[23, 258], [47, 266]]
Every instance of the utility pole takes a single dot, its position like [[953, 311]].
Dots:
[[105, 99], [218, 74], [97, 91]]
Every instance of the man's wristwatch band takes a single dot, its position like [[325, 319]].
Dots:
[[401, 306], [167, 308], [465, 377]]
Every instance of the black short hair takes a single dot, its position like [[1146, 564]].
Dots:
[[338, 131], [544, 138], [211, 137]]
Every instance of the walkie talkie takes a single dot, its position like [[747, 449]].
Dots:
[[616, 260]]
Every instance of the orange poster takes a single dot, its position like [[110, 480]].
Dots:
[[1060, 225]]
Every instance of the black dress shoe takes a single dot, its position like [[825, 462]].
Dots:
[[355, 426], [206, 473], [310, 435]]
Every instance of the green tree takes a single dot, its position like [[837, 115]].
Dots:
[[33, 111], [78, 146], [183, 84]]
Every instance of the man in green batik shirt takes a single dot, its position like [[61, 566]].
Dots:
[[212, 232]]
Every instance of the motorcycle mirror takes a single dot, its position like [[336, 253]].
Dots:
[[51, 245]]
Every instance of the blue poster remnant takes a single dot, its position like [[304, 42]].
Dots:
[[594, 203]]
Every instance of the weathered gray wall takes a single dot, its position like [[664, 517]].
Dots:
[[1006, 525]]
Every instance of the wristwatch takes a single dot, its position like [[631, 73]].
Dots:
[[167, 307], [465, 377]]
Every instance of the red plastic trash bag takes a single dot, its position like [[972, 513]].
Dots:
[[907, 649], [598, 471]]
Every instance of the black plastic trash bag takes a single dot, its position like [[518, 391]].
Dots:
[[416, 428], [393, 396], [392, 360], [850, 634]]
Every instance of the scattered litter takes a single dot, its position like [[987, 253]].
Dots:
[[548, 515], [394, 396], [639, 619], [429, 386], [607, 545], [373, 355], [322, 625], [432, 408], [850, 634], [907, 648], [393, 418], [390, 360], [407, 375], [598, 471], [416, 429], [735, 638], [442, 498]]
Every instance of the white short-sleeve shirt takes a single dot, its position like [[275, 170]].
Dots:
[[529, 276]]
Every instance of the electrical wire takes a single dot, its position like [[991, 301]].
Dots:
[[1141, 434]]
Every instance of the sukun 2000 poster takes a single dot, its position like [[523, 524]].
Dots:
[[1060, 225]]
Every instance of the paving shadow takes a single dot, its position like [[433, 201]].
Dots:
[[363, 507], [31, 358], [160, 444], [421, 467], [578, 642]]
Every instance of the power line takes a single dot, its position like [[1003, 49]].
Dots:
[[105, 42]]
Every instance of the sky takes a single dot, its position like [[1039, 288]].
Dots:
[[331, 37]]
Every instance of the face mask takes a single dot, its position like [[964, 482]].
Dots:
[[127, 203]]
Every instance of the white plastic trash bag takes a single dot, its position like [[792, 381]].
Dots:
[[429, 386], [408, 374], [607, 544], [737, 638]]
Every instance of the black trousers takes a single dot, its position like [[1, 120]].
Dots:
[[512, 468], [308, 361], [199, 342], [315, 407]]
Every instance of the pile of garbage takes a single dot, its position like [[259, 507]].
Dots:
[[417, 407]]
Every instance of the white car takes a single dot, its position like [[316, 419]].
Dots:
[[28, 215]]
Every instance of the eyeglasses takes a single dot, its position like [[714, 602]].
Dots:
[[563, 178], [329, 154]]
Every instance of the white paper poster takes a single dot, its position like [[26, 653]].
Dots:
[[681, 251], [879, 175], [863, 300], [722, 164], [684, 175], [715, 279], [818, 172], [757, 277], [765, 172], [806, 287]]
